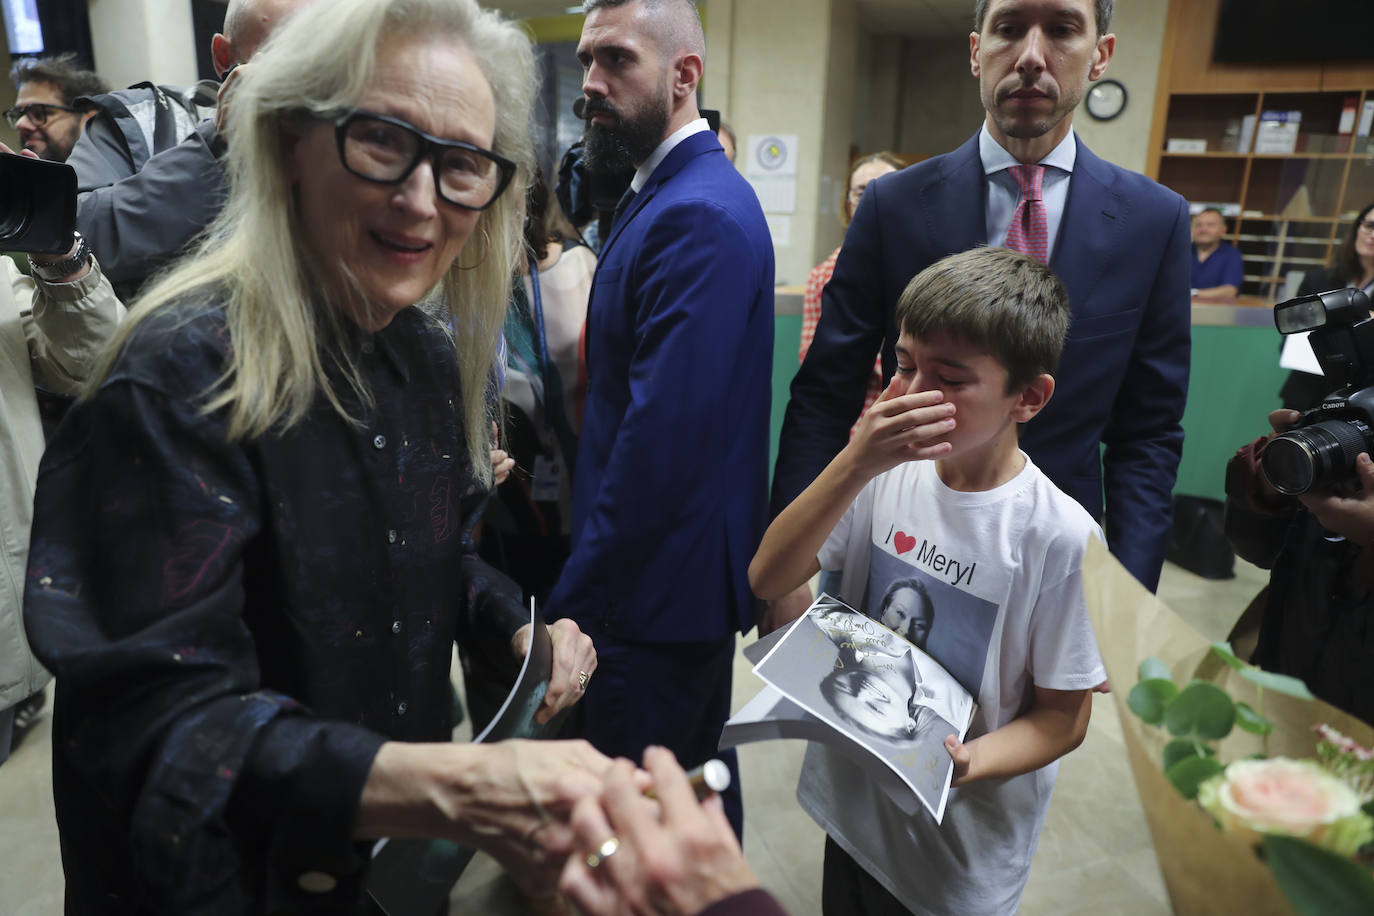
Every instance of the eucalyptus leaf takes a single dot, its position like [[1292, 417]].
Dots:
[[1228, 655], [1191, 772], [1183, 748], [1316, 881], [1279, 683], [1152, 668], [1149, 699], [1202, 710], [1251, 721]]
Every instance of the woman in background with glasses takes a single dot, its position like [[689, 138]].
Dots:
[[252, 549], [1352, 266], [862, 172]]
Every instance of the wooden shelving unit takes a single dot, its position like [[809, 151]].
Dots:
[[1294, 207], [1199, 99]]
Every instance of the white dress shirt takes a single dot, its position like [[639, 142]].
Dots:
[[658, 155]]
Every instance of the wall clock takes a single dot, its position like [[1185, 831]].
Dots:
[[1106, 99]]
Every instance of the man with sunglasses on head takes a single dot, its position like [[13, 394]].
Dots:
[[44, 112], [140, 203]]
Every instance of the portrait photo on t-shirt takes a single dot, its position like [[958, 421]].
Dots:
[[956, 626]]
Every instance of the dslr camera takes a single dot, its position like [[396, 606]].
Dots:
[[37, 205], [1319, 452]]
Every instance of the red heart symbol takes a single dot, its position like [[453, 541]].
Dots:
[[904, 542]]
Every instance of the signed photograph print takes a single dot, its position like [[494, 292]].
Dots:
[[877, 688]]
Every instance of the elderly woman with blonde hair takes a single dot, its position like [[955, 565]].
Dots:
[[251, 554]]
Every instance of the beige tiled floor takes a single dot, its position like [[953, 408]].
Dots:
[[1094, 856]]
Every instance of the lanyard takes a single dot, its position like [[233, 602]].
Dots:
[[551, 382], [537, 313]]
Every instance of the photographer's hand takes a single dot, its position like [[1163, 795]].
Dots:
[[1350, 516], [34, 257], [1283, 419]]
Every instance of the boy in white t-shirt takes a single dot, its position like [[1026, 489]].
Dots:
[[933, 487]]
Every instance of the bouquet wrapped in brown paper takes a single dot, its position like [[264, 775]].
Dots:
[[1207, 869]]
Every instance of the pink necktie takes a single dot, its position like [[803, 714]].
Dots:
[[1029, 231]]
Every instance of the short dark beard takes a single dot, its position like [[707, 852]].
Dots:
[[60, 148], [619, 148]]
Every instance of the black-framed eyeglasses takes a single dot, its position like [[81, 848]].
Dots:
[[1367, 225], [37, 111], [383, 149]]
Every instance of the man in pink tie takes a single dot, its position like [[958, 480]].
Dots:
[[1111, 438]]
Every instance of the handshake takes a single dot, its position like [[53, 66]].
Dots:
[[646, 845]]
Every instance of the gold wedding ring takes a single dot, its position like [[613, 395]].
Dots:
[[582, 678], [603, 852]]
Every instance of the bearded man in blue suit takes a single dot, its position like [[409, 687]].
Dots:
[[1118, 241], [670, 486]]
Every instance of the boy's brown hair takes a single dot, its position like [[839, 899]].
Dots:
[[1003, 302]]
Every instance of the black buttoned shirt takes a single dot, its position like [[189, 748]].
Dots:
[[236, 627]]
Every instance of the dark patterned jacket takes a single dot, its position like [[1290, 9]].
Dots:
[[237, 627]]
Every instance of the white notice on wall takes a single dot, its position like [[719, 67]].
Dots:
[[780, 228], [772, 169], [1278, 132]]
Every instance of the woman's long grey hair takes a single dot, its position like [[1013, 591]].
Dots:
[[253, 258]]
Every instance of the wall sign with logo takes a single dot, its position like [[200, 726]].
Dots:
[[772, 170]]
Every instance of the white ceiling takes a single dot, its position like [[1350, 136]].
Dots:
[[888, 17]]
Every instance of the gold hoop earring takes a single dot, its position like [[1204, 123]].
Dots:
[[486, 251]]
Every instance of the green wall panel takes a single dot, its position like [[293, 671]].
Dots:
[[786, 340], [1234, 384]]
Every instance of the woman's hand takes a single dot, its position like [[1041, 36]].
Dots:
[[574, 661], [512, 800], [673, 857], [501, 461], [501, 466]]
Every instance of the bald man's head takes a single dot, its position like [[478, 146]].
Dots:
[[674, 25], [247, 25]]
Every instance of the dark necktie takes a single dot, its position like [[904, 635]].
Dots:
[[620, 208]]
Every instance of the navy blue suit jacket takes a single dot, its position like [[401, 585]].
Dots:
[[670, 496], [1123, 252]]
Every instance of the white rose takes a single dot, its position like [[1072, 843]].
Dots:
[[1293, 797]]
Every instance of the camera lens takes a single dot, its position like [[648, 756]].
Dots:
[[16, 213], [1314, 456]]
